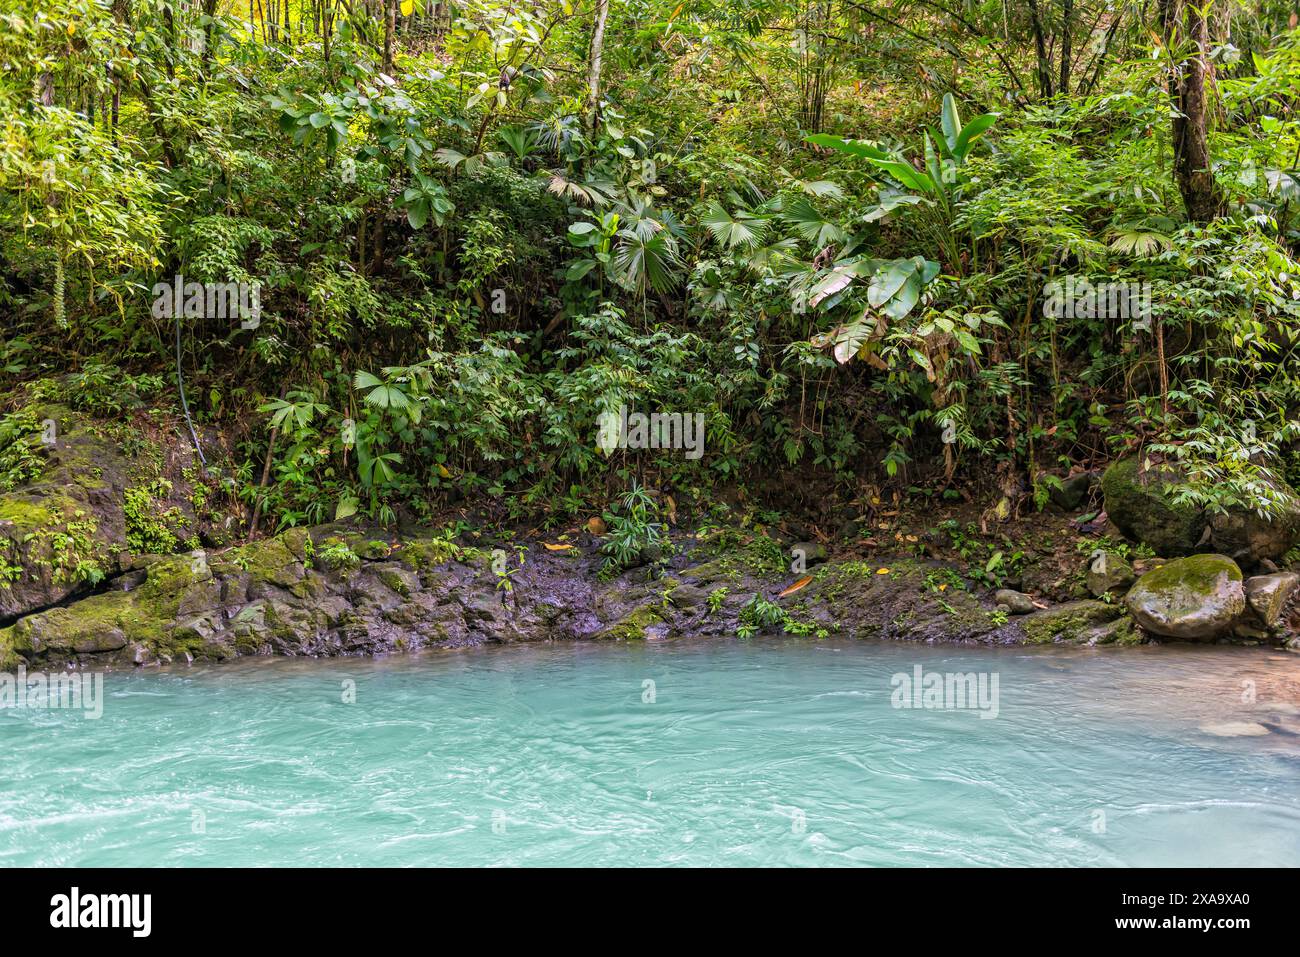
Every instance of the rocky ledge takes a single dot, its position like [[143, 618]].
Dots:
[[334, 590], [75, 587]]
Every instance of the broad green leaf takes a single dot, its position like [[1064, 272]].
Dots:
[[852, 147], [973, 131], [951, 121], [905, 174]]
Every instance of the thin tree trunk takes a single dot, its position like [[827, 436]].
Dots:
[[1183, 22], [593, 68], [1067, 21], [390, 16], [1040, 50], [209, 11]]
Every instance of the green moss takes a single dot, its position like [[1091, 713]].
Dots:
[[633, 625], [395, 581], [1198, 574], [9, 657], [1069, 622], [727, 569], [298, 541], [67, 543], [375, 550], [23, 514], [97, 624], [425, 553], [270, 560], [1122, 631], [310, 586], [170, 576], [1141, 505]]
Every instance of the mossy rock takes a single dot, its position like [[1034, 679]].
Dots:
[[25, 512], [269, 560], [374, 550], [426, 553], [298, 541], [1189, 598], [1121, 631], [399, 580], [1108, 573], [1074, 621], [636, 625], [1267, 597], [1141, 505], [9, 657], [95, 625], [1246, 536]]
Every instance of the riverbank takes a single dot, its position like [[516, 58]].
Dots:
[[81, 584], [336, 590]]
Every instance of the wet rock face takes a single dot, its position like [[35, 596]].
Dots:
[[66, 522], [1268, 598], [1108, 573], [1085, 621], [1192, 598], [70, 528], [337, 590], [280, 596], [1249, 539], [1141, 504]]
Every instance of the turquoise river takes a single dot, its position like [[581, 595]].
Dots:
[[708, 752]]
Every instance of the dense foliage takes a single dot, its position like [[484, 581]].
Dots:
[[837, 229]]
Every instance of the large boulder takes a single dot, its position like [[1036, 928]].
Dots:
[[1091, 622], [1190, 598], [1141, 503], [1267, 597], [1249, 538]]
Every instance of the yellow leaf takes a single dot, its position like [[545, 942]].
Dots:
[[408, 6], [796, 586], [442, 470], [882, 571], [555, 548], [72, 28]]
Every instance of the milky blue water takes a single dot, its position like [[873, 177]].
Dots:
[[740, 753]]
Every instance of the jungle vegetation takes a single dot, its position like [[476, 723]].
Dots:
[[839, 229]]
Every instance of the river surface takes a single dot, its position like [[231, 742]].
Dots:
[[710, 752]]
